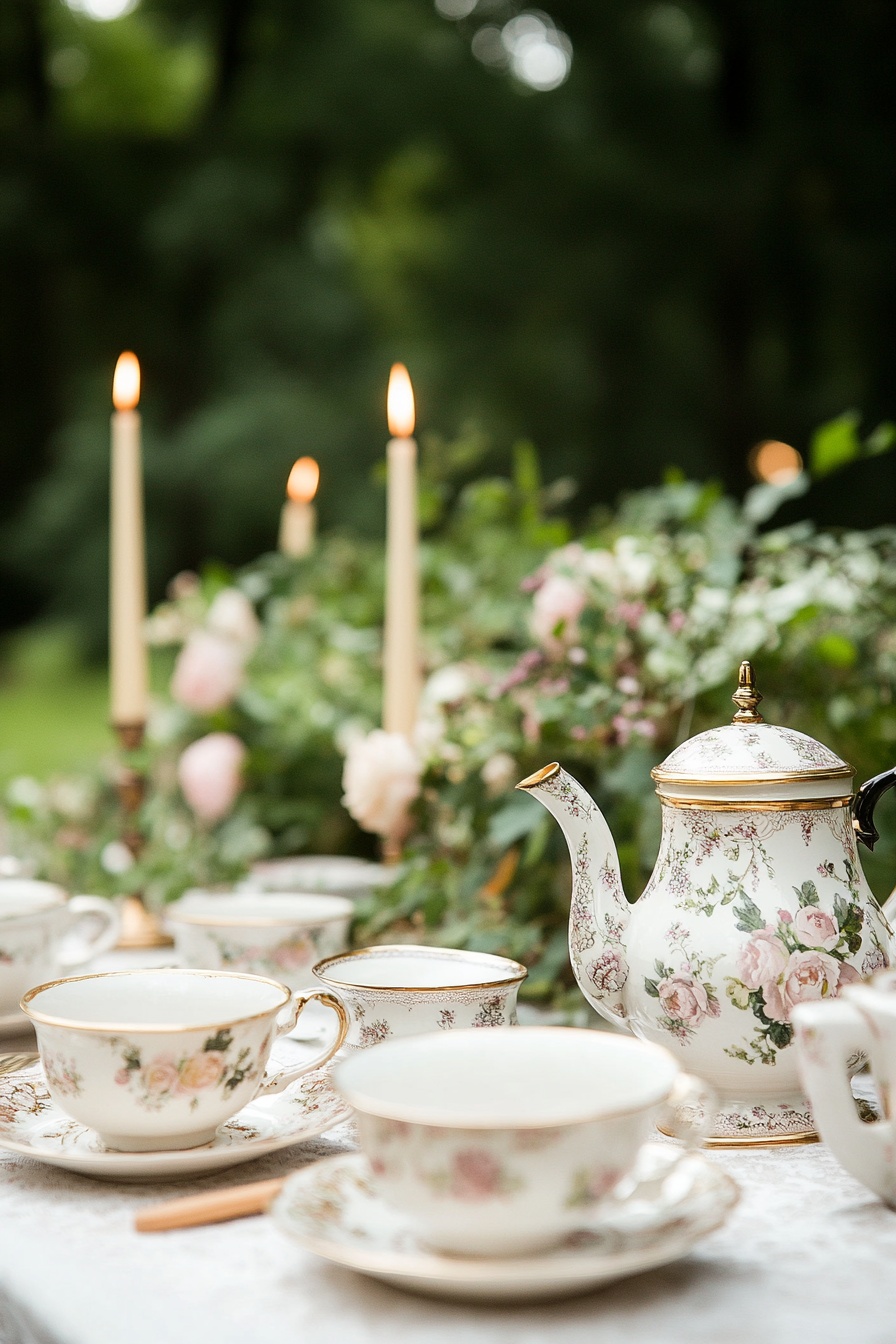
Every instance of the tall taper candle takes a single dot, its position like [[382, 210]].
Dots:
[[129, 663], [298, 520], [401, 653]]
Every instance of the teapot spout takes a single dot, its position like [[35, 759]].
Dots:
[[599, 912]]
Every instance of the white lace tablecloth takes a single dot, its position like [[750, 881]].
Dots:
[[808, 1254]]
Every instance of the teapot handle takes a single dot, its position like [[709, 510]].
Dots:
[[864, 802]]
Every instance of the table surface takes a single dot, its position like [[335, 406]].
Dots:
[[807, 1253]]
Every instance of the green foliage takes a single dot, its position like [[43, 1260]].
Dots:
[[603, 650]]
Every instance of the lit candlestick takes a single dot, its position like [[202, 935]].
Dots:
[[401, 651], [298, 519], [129, 663]]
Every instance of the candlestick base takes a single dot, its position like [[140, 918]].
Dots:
[[140, 927]]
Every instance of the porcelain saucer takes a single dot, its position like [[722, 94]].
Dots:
[[32, 1124], [671, 1200]]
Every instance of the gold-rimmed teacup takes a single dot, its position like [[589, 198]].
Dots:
[[280, 934], [158, 1059], [405, 989]]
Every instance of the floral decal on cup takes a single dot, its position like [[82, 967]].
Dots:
[[371, 1033], [446, 1019], [62, 1076], [799, 957], [167, 1077], [686, 995], [474, 1175], [491, 1012], [293, 954], [589, 1186]]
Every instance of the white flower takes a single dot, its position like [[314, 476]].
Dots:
[[116, 858], [23, 791], [208, 673], [381, 779], [447, 685], [232, 615], [499, 772]]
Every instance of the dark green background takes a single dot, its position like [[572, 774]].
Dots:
[[685, 248]]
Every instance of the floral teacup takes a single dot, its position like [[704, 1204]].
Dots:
[[404, 989], [43, 932], [279, 935], [158, 1059], [831, 1037], [503, 1142]]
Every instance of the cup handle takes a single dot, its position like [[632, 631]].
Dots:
[[689, 1110], [289, 1016], [828, 1035], [84, 910]]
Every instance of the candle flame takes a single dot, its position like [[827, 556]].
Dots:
[[303, 480], [400, 403], [126, 383]]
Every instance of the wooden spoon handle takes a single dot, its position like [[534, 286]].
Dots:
[[218, 1206]]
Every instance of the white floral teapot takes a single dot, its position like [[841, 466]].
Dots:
[[757, 902]]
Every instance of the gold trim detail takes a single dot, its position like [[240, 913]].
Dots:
[[746, 697], [760, 1141], [788, 777], [319, 970], [546, 772], [753, 805], [105, 1027]]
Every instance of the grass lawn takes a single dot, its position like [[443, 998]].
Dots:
[[53, 708]]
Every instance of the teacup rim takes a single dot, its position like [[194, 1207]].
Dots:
[[149, 1028], [413, 1115], [174, 916], [352, 954]]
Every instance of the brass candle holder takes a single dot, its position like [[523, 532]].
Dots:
[[140, 928]]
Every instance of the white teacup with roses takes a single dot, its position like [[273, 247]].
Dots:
[[503, 1142], [158, 1059], [281, 935], [405, 989]]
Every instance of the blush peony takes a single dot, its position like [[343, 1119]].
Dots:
[[815, 928], [210, 774], [556, 608], [381, 779], [200, 1071], [683, 998], [208, 673], [811, 975]]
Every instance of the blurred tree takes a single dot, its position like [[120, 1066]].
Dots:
[[681, 248]]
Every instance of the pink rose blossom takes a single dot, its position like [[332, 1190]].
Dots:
[[556, 608], [210, 774], [475, 1174], [200, 1071], [381, 779], [677, 621], [630, 613], [761, 965], [815, 928], [809, 976], [159, 1076], [292, 956], [208, 672], [785, 916], [123, 1077], [683, 998]]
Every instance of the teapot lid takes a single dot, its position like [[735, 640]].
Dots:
[[739, 760]]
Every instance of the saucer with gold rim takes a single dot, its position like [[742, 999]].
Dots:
[[32, 1125], [657, 1215]]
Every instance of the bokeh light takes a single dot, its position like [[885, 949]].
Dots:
[[775, 462], [102, 10]]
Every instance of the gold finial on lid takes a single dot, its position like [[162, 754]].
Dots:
[[746, 697]]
